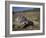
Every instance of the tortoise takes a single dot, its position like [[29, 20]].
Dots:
[[22, 22]]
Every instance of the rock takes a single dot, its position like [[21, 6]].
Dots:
[[21, 21]]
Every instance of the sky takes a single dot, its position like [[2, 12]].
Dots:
[[21, 8]]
